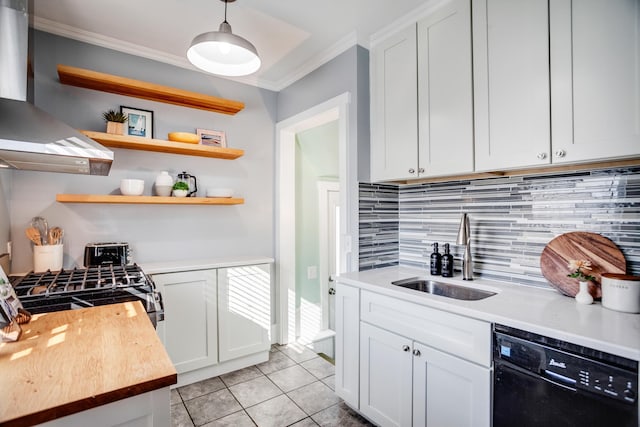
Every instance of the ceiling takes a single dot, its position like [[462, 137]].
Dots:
[[293, 37]]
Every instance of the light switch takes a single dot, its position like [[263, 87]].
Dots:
[[312, 272]]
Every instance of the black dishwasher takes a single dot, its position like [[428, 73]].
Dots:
[[541, 381]]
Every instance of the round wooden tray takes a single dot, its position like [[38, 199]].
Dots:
[[604, 255]]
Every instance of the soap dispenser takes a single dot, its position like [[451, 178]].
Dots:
[[447, 262], [436, 261]]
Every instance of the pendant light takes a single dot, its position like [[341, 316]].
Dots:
[[222, 52]]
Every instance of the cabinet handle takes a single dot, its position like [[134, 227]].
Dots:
[[542, 156], [416, 352], [412, 170], [561, 153], [420, 170], [406, 348]]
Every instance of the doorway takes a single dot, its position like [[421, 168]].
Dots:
[[289, 302]]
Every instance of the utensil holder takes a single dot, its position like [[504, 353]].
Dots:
[[47, 257]]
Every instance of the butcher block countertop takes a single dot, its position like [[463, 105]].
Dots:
[[69, 361]]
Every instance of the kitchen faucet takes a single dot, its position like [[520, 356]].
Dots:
[[464, 238]]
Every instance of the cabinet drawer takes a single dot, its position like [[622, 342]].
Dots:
[[458, 335]]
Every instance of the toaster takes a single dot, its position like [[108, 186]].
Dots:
[[107, 253]]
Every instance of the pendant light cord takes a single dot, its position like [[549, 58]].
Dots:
[[225, 11]]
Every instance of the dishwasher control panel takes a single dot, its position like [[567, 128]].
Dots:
[[567, 369]]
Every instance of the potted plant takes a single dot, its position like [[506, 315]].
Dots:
[[115, 121], [180, 189]]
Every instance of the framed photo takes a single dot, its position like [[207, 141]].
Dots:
[[214, 138], [139, 122]]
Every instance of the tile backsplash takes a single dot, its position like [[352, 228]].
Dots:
[[512, 219]]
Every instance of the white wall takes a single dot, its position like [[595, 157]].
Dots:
[[155, 232]]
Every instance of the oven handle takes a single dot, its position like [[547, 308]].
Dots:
[[548, 376]]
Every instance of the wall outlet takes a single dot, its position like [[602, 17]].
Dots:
[[9, 249], [312, 272]]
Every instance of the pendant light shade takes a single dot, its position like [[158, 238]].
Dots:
[[224, 53]]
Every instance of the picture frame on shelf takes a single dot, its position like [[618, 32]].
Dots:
[[139, 122], [212, 138]]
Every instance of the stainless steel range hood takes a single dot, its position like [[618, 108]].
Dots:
[[30, 138]]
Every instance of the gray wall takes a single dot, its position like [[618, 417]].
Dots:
[[348, 72], [5, 220], [155, 232]]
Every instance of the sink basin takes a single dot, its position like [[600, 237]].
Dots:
[[444, 289]]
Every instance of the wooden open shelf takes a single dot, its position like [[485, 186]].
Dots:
[[146, 200], [162, 146], [139, 89]]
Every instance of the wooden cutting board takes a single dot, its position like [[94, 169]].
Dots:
[[604, 255]]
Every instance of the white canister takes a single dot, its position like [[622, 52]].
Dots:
[[47, 257], [621, 292]]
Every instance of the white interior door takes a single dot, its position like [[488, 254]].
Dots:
[[329, 219]]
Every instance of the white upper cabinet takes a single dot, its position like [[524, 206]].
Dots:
[[595, 79], [445, 92], [394, 108], [511, 83], [421, 97]]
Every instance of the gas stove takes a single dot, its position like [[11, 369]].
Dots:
[[89, 287]]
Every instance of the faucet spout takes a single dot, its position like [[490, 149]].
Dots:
[[464, 238]]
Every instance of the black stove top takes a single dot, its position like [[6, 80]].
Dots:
[[88, 287]]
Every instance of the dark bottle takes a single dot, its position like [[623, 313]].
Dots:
[[447, 262], [436, 261]]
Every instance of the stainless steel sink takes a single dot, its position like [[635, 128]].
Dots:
[[444, 289]]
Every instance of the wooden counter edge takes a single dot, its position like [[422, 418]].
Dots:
[[91, 402]]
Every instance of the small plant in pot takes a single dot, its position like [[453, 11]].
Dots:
[[115, 121], [180, 189]]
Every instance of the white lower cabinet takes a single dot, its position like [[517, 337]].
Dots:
[[417, 366], [216, 320], [244, 310], [190, 329]]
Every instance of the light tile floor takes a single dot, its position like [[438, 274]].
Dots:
[[294, 388]]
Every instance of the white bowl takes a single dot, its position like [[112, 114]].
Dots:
[[219, 192], [131, 187], [180, 193]]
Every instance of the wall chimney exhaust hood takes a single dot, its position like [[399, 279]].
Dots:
[[30, 138]]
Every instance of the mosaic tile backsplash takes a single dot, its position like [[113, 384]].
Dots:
[[512, 220]]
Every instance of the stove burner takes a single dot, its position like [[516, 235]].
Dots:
[[88, 287]]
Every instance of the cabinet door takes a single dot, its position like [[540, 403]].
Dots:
[[595, 64], [448, 391], [189, 331], [244, 310], [511, 83], [394, 108], [385, 376], [445, 94], [347, 344]]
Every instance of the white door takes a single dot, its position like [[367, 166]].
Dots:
[[595, 64], [448, 391], [329, 219], [385, 377], [511, 83], [189, 331]]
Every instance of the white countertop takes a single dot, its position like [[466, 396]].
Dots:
[[202, 264], [545, 312]]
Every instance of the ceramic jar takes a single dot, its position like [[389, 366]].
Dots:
[[164, 184]]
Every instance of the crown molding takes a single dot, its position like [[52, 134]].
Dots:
[[404, 21], [89, 37], [317, 61]]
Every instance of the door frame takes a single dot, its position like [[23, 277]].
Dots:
[[336, 108]]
